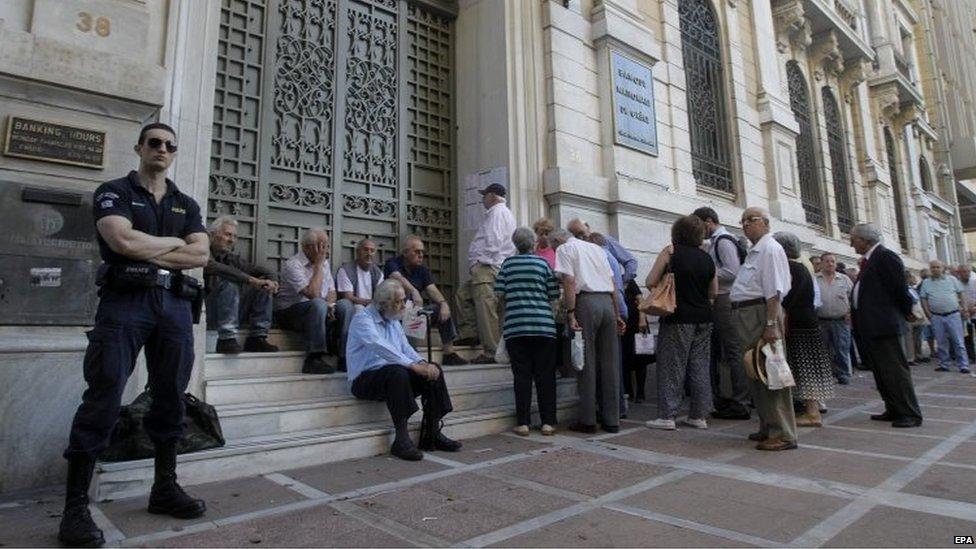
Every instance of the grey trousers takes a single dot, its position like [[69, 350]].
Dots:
[[601, 346], [776, 417], [733, 384]]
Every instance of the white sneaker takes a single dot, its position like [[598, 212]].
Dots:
[[521, 430], [696, 423], [548, 430], [665, 424]]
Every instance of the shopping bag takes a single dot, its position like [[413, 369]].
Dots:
[[578, 356], [644, 344], [414, 323], [501, 353], [778, 374]]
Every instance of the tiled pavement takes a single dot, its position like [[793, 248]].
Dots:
[[854, 482]]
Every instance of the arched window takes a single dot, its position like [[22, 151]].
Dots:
[[896, 189], [805, 156], [925, 174], [838, 161], [700, 47]]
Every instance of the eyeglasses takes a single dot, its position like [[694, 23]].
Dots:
[[748, 220], [155, 143]]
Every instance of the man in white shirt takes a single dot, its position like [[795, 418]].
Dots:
[[355, 282], [730, 385], [476, 303], [965, 275], [590, 296], [759, 288], [306, 297]]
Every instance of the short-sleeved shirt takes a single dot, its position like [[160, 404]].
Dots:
[[175, 215], [587, 263], [941, 293], [364, 282], [764, 274], [693, 273], [296, 273], [528, 285], [419, 277]]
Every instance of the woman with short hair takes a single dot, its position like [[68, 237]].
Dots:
[[542, 228]]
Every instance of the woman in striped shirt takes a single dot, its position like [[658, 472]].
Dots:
[[526, 285]]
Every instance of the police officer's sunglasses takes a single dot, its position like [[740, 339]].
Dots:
[[155, 142]]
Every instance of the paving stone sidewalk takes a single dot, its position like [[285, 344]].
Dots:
[[852, 483]]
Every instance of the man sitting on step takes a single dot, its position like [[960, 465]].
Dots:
[[355, 282], [307, 297], [409, 270], [383, 366], [227, 277]]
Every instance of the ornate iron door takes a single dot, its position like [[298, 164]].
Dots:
[[335, 113], [838, 161], [896, 189], [805, 156]]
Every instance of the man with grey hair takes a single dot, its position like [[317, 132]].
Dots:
[[381, 365], [757, 295], [945, 307], [238, 292], [355, 283], [307, 297], [835, 315], [964, 273], [881, 304]]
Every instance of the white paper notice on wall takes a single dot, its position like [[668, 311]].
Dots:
[[474, 211]]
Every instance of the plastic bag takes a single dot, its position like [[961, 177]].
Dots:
[[778, 374], [414, 323], [501, 353], [644, 344], [578, 356]]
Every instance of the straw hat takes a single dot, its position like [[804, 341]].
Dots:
[[755, 363]]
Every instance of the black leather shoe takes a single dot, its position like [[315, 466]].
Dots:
[[228, 346], [78, 529], [907, 422], [406, 451], [170, 499], [883, 417], [259, 345], [583, 428], [445, 444], [316, 364], [611, 428], [740, 413], [454, 359]]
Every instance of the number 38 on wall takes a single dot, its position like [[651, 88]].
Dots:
[[87, 23]]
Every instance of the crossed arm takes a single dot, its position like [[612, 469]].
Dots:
[[166, 251]]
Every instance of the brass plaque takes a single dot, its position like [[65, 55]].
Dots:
[[50, 142]]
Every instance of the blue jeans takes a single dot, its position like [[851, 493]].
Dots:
[[949, 332], [345, 310], [226, 312], [309, 318], [837, 334]]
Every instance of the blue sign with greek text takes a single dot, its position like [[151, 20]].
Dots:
[[634, 121]]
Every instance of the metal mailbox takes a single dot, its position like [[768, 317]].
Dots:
[[48, 256]]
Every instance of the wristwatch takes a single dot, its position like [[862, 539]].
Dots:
[[770, 323]]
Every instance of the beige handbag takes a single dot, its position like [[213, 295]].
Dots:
[[662, 300]]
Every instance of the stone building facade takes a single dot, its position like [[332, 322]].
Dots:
[[378, 117]]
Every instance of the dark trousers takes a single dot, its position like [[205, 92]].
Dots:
[[886, 359], [124, 324], [399, 388], [635, 367], [968, 329], [308, 317], [534, 361]]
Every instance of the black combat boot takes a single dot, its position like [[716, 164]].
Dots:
[[77, 527], [167, 497]]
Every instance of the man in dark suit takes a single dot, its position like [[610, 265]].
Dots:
[[881, 303]]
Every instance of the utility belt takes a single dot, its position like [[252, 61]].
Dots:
[[135, 277]]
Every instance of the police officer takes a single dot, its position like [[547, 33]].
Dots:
[[148, 231]]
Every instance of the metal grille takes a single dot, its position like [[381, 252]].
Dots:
[[925, 174], [806, 163], [705, 86], [838, 161], [896, 189], [350, 127]]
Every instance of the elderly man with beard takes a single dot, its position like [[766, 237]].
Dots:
[[383, 366]]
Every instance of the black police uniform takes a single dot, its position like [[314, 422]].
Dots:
[[129, 319]]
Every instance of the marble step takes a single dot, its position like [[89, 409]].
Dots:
[[253, 389], [286, 340], [248, 420], [266, 454]]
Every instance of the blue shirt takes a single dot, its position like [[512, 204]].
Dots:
[[624, 257], [942, 293], [375, 342], [419, 277]]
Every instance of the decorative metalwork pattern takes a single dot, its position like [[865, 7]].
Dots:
[[304, 87], [806, 162], [299, 196], [430, 136], [369, 206], [925, 174], [838, 161], [896, 189], [705, 88]]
